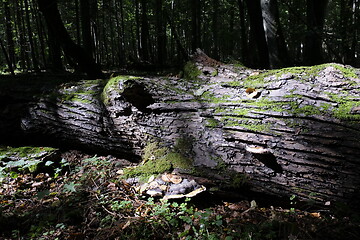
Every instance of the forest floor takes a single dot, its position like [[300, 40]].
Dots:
[[86, 197]]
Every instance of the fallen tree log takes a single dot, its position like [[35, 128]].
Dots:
[[291, 131]]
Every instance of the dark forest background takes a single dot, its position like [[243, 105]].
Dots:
[[40, 35]]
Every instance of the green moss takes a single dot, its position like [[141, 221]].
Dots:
[[209, 97], [84, 91], [214, 73], [84, 97], [191, 72], [251, 124], [265, 104], [258, 81], [157, 160], [343, 111], [212, 123], [346, 71], [308, 110]]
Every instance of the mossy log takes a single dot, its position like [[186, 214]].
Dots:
[[292, 131]]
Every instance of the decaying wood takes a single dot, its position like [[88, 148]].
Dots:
[[291, 131]]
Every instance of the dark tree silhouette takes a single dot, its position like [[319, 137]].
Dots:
[[315, 17], [259, 56], [73, 51]]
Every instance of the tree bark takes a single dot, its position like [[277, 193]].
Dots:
[[289, 131]]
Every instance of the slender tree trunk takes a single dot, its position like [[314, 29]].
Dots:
[[184, 54], [123, 36], [215, 30], [24, 58], [195, 24], [86, 26], [33, 47], [40, 30], [231, 45], [243, 35], [55, 53], [8, 61], [145, 36], [278, 56], [9, 37], [161, 32], [347, 29], [356, 32], [112, 24], [138, 36], [76, 53], [120, 25], [315, 18], [77, 22], [261, 52]]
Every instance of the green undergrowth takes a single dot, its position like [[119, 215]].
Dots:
[[15, 160], [89, 200], [6, 151]]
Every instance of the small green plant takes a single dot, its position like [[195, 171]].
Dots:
[[121, 205], [70, 187], [293, 202]]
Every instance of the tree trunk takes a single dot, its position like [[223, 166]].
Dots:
[[161, 32], [315, 15], [86, 27], [9, 38], [33, 45], [144, 34], [24, 57], [6, 55], [289, 131], [273, 34], [195, 24], [260, 57], [244, 41], [215, 30], [74, 52]]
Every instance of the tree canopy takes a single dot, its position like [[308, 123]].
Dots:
[[117, 34]]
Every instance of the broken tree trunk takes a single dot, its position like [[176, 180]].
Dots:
[[291, 131]]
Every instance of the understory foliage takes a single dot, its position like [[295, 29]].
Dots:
[[88, 198]]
